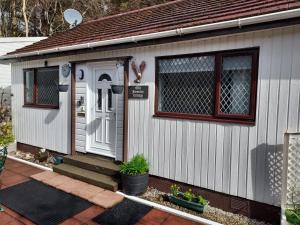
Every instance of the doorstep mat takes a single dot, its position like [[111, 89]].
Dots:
[[42, 204], [127, 212]]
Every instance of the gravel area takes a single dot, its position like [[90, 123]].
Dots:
[[211, 213], [30, 158]]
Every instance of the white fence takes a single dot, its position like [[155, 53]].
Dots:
[[291, 171]]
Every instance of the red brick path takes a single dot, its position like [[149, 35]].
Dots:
[[16, 173]]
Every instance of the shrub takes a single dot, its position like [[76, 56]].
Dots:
[[137, 165], [6, 134]]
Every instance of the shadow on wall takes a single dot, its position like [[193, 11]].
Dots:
[[89, 126], [52, 115], [267, 164]]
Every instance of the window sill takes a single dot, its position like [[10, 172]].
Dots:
[[41, 106], [203, 118]]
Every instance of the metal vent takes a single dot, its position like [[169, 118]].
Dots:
[[239, 205]]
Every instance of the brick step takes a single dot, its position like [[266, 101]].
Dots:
[[88, 176], [96, 164]]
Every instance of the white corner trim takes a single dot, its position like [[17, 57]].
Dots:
[[170, 210], [29, 163]]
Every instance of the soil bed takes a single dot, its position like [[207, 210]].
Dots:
[[211, 213]]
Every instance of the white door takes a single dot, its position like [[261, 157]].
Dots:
[[103, 113]]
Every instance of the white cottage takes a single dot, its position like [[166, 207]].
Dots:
[[220, 87]]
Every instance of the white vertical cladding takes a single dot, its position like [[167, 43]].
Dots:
[[81, 115], [240, 160], [46, 128]]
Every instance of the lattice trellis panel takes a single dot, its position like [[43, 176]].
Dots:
[[186, 85], [292, 160], [47, 81]]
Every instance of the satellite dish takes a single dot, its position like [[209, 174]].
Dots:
[[73, 17]]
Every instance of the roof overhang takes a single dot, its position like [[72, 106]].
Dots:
[[284, 18]]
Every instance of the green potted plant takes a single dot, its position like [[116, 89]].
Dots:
[[187, 199], [135, 175]]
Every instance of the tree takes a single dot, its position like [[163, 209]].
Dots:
[[45, 17]]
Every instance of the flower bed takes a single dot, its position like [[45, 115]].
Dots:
[[210, 213]]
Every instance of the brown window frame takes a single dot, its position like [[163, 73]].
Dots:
[[35, 88], [217, 115]]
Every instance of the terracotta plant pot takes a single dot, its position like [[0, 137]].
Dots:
[[135, 184]]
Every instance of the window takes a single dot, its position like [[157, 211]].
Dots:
[[40, 87], [215, 86]]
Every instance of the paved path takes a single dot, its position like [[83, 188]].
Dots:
[[16, 172]]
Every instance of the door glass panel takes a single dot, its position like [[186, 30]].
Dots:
[[109, 101], [99, 99]]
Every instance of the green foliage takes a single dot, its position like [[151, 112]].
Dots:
[[293, 216], [188, 195], [175, 189], [202, 200], [137, 165], [6, 134]]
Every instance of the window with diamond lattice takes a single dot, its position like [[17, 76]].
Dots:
[[213, 86], [186, 85], [235, 85], [41, 87]]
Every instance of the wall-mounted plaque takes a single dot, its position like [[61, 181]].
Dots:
[[138, 92]]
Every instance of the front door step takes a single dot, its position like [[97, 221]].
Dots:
[[96, 164], [87, 176]]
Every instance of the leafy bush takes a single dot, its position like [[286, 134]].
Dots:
[[137, 165], [6, 134]]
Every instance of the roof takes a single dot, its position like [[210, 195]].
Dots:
[[163, 17]]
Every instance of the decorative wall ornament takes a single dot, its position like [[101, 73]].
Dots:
[[65, 69], [80, 74], [138, 71]]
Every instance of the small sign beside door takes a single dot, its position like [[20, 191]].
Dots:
[[138, 92]]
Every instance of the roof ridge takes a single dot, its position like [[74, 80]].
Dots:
[[132, 11]]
